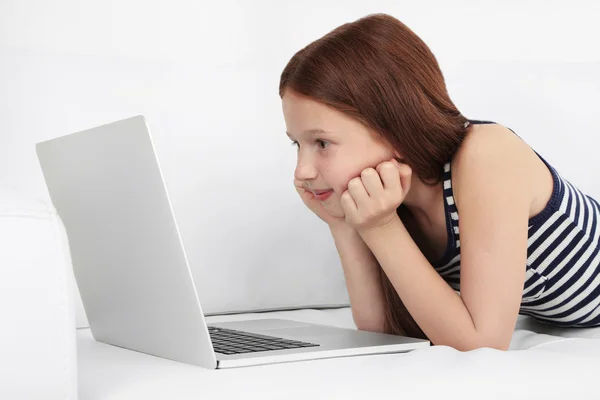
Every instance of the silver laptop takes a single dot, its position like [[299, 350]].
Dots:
[[131, 267]]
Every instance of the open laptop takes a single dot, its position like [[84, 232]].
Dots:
[[132, 271]]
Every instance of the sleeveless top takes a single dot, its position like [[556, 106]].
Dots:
[[562, 278]]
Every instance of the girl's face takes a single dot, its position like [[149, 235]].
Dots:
[[332, 147]]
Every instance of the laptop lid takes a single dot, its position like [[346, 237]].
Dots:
[[128, 258]]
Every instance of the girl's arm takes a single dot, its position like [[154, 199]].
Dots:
[[361, 271], [492, 178]]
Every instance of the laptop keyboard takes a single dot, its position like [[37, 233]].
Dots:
[[229, 341]]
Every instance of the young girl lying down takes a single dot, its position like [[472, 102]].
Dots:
[[447, 227]]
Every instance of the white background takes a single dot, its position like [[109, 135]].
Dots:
[[206, 74]]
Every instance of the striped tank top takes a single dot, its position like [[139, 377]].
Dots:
[[562, 278]]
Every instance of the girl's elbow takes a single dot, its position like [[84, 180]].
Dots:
[[370, 325], [488, 343]]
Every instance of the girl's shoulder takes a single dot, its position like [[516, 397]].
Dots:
[[494, 150]]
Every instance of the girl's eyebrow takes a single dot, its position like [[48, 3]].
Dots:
[[316, 131]]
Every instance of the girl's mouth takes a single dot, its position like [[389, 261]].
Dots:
[[321, 196]]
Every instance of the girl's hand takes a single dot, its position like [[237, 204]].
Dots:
[[315, 206], [372, 199]]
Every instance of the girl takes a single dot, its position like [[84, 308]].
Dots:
[[447, 228]]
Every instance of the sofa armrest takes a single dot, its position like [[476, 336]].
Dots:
[[37, 339]]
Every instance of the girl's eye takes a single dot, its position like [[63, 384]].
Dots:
[[322, 142]]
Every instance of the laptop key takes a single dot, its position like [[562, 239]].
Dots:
[[260, 349], [291, 346], [273, 347]]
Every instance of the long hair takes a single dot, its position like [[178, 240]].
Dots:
[[379, 72]]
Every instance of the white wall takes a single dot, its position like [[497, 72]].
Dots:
[[205, 75]]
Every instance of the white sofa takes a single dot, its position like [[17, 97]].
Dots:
[[39, 341]]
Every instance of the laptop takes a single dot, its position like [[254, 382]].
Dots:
[[131, 268]]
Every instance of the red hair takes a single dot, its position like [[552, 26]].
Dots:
[[379, 72]]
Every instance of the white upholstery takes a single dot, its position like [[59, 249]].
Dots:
[[37, 338], [544, 363]]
